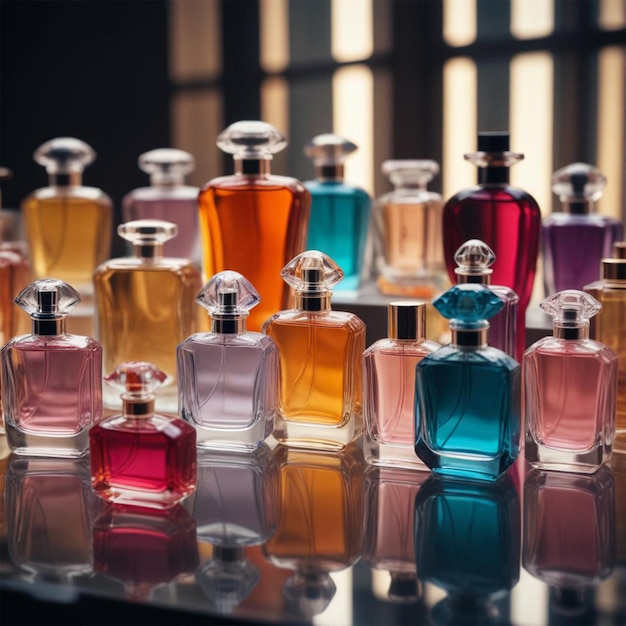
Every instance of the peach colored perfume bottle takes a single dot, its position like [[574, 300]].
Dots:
[[389, 387], [253, 221], [570, 384], [320, 388]]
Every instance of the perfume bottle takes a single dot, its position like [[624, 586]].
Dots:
[[51, 380], [145, 306], [474, 260], [253, 222], [388, 537], [467, 406], [575, 240], [320, 388], [228, 378], [140, 457], [389, 386], [468, 541], [609, 327], [340, 212], [569, 388], [406, 227], [168, 198], [320, 522], [145, 549], [68, 226], [507, 219]]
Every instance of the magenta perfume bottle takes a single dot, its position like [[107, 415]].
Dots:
[[577, 238], [169, 199], [507, 219], [389, 386], [51, 380], [140, 457], [570, 386], [228, 378], [474, 260]]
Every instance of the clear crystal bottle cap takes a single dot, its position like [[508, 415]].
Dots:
[[147, 232], [312, 272], [64, 155], [48, 298], [410, 171], [166, 160], [468, 304], [571, 308], [136, 379], [228, 294], [578, 181], [329, 149], [493, 150], [251, 139], [474, 258]]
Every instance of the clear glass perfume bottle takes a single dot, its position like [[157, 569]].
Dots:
[[467, 406], [68, 226], [146, 306], [320, 522], [609, 327], [575, 240], [407, 232], [140, 457], [507, 219], [389, 386], [228, 378], [253, 222], [340, 212], [569, 388], [144, 549], [51, 380], [320, 386], [168, 198], [474, 260]]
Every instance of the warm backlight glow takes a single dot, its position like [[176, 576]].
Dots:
[[612, 14], [532, 18], [459, 22], [274, 16], [275, 103], [352, 34]]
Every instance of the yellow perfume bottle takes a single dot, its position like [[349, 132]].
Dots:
[[320, 389]]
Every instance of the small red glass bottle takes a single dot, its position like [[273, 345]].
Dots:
[[507, 219], [139, 457]]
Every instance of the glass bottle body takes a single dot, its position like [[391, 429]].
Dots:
[[320, 384], [389, 400], [503, 325], [254, 224], [228, 387], [468, 412], [52, 393], [569, 403], [338, 226]]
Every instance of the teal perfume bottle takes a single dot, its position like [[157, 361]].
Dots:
[[340, 212], [467, 406]]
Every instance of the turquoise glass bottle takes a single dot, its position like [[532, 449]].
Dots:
[[340, 212], [467, 406]]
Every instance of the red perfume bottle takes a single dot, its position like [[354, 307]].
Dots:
[[507, 219], [140, 457]]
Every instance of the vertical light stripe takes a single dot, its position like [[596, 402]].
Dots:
[[459, 22], [352, 33], [353, 118], [533, 613], [532, 18], [339, 611], [275, 103], [459, 124], [381, 579], [274, 18], [610, 136], [612, 14]]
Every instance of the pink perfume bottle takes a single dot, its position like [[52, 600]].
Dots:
[[507, 219], [570, 390], [140, 457], [51, 380], [389, 386]]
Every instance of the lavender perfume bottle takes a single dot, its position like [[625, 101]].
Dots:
[[575, 240]]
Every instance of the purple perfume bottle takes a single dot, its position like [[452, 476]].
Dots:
[[575, 240]]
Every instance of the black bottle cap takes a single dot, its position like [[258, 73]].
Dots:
[[493, 141]]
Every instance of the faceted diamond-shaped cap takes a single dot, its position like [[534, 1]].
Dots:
[[166, 160], [312, 271], [329, 149], [138, 379], [468, 304], [147, 232], [48, 298], [578, 181], [571, 308], [474, 257], [229, 294], [251, 140], [410, 171], [64, 155]]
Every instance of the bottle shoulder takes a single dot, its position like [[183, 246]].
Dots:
[[395, 347], [65, 341], [410, 196], [248, 340], [329, 318], [335, 188], [493, 193], [177, 193], [183, 267], [588, 220], [485, 356], [570, 348], [252, 183], [71, 192]]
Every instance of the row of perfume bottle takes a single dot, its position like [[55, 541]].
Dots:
[[316, 514]]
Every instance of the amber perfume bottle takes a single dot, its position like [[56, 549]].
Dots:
[[507, 219], [139, 457], [320, 388], [253, 222], [146, 306]]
